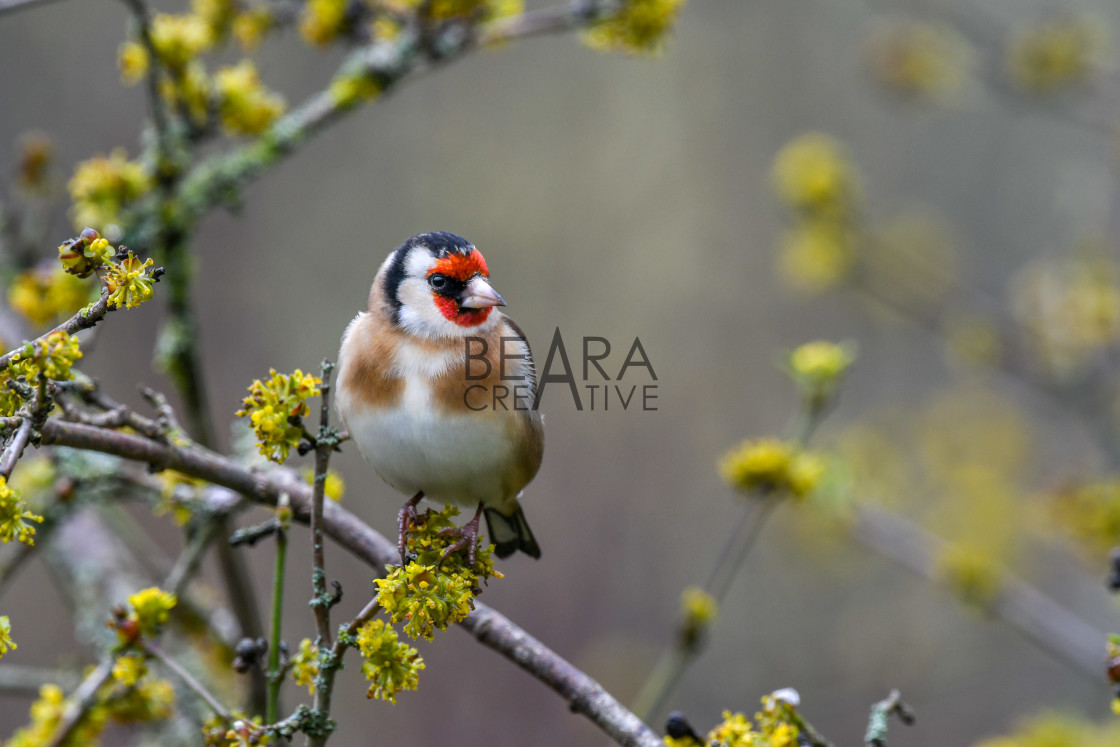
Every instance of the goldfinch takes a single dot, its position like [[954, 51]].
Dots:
[[406, 399]]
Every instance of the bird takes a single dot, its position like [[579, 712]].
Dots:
[[423, 412]]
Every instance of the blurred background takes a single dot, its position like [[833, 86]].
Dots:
[[626, 197]]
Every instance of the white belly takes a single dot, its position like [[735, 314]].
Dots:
[[451, 458]]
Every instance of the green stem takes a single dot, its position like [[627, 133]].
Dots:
[[275, 675]]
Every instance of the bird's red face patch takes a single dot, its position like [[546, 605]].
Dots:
[[461, 268]]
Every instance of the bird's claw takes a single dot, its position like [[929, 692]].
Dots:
[[468, 539], [405, 518]]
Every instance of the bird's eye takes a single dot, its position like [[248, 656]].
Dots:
[[438, 282]]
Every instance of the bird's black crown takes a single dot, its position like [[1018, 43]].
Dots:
[[441, 243]]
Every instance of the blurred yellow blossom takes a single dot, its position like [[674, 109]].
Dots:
[[767, 464], [189, 91], [6, 642], [45, 295], [922, 60], [250, 26], [1057, 53], [817, 255], [102, 186], [322, 21], [639, 27], [129, 668], [178, 39], [334, 487], [15, 516], [812, 173], [352, 88], [217, 14], [36, 155], [1069, 311], [305, 665], [971, 573], [132, 59], [151, 609], [1058, 730], [818, 368], [245, 105]]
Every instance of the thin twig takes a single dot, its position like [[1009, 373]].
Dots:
[[15, 449], [80, 702], [488, 626], [1041, 620], [188, 679], [275, 674], [324, 446], [881, 712], [71, 326], [11, 6]]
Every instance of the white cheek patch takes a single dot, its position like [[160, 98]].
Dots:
[[419, 314]]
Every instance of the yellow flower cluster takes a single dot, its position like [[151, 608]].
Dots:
[[388, 663], [431, 593], [769, 465], [919, 60], [46, 714], [1057, 53], [146, 700], [171, 501], [51, 357], [972, 574], [6, 642], [272, 407], [322, 21], [818, 368], [426, 597], [1069, 310], [349, 89], [1058, 730], [305, 665], [251, 26], [104, 186], [178, 39], [699, 610], [812, 174], [129, 668], [84, 254], [246, 107], [639, 27], [775, 729], [150, 610], [47, 295], [36, 155], [133, 61], [1090, 515], [129, 282], [15, 516], [699, 607]]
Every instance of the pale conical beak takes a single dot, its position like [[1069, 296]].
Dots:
[[479, 295]]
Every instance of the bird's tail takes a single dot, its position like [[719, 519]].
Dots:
[[511, 533]]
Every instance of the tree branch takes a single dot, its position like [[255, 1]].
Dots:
[[71, 326], [1039, 618], [488, 626]]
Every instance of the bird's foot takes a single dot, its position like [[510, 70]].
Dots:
[[468, 538], [405, 518]]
